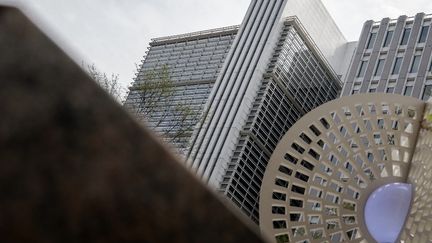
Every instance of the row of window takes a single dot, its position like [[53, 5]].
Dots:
[[396, 66], [300, 76], [408, 91], [403, 41], [196, 53], [182, 43]]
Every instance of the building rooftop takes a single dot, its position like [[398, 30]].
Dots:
[[411, 18], [193, 35]]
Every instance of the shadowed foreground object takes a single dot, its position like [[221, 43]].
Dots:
[[75, 168]]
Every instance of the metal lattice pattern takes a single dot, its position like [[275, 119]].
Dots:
[[296, 82], [327, 165]]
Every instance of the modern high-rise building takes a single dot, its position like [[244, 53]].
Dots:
[[393, 56], [278, 69], [250, 83], [191, 62], [358, 169], [297, 80]]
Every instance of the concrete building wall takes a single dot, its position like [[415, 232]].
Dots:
[[232, 96], [393, 56], [241, 76]]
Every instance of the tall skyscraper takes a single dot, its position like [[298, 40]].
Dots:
[[327, 174], [192, 63], [274, 74], [287, 58], [297, 80], [393, 56]]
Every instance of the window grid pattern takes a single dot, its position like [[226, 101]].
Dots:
[[296, 82], [395, 59], [330, 161], [193, 63]]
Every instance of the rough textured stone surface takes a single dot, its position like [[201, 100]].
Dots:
[[74, 167]]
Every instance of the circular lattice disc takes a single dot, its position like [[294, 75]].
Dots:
[[324, 169]]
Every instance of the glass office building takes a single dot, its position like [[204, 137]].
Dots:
[[278, 69], [250, 83], [192, 63], [297, 80]]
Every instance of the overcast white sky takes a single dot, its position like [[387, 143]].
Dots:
[[114, 34]]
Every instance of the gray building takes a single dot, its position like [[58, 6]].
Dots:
[[241, 76], [251, 84], [393, 56], [251, 107], [192, 62], [297, 80]]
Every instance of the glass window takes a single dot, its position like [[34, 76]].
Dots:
[[355, 91], [397, 65], [372, 90], [423, 34], [405, 36], [390, 90], [362, 69], [427, 92], [388, 38], [415, 64], [371, 41], [408, 90], [430, 67], [379, 67]]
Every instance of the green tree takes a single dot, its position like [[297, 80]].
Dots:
[[156, 102], [109, 83]]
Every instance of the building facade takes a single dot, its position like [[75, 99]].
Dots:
[[191, 63], [249, 84], [297, 80], [393, 56], [247, 87]]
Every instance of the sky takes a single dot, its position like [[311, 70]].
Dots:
[[114, 34]]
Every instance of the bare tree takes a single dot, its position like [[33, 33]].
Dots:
[[155, 101], [109, 83]]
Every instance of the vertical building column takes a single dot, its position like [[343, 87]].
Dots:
[[424, 64], [352, 74], [409, 53], [194, 155], [392, 53], [374, 56], [238, 80]]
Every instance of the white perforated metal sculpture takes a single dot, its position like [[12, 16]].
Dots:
[[323, 172]]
